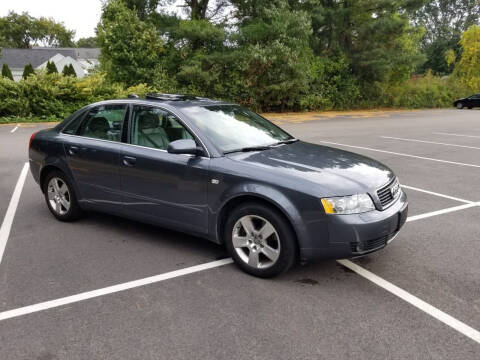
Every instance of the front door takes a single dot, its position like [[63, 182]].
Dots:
[[157, 186], [92, 152], [476, 100]]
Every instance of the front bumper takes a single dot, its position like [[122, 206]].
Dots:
[[355, 235]]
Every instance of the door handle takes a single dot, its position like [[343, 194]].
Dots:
[[73, 150], [129, 160]]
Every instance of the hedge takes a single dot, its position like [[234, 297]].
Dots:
[[51, 97]]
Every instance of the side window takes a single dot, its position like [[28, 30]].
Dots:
[[155, 128], [72, 127], [104, 122]]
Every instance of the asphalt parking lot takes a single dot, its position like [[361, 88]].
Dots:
[[68, 291]]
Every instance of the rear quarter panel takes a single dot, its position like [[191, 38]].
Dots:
[[47, 151]]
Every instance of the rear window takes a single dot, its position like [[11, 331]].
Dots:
[[73, 125], [102, 122]]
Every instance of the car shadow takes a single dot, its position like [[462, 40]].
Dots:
[[143, 233]]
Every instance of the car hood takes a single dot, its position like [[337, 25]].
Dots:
[[331, 171]]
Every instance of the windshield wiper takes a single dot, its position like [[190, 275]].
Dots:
[[289, 141], [249, 148], [261, 147]]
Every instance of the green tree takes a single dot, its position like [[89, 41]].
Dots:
[[145, 8], [27, 71], [68, 70], [468, 68], [51, 68], [89, 42], [205, 9], [375, 36], [131, 49], [450, 57], [273, 39], [6, 72], [444, 22], [25, 31]]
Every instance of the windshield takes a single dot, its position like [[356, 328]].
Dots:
[[232, 127]]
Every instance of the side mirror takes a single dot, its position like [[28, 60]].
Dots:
[[186, 146]]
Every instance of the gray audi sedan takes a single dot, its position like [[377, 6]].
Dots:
[[218, 171]]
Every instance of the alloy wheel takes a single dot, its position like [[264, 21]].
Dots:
[[58, 195], [256, 241]]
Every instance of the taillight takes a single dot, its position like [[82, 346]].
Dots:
[[31, 139]]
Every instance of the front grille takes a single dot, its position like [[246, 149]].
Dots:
[[369, 245], [385, 194]]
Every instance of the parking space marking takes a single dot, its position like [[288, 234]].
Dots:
[[111, 289], [430, 142], [440, 212], [402, 154], [402, 294], [413, 300], [437, 194], [14, 129], [450, 134], [12, 208]]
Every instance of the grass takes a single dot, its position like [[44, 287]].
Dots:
[[31, 119]]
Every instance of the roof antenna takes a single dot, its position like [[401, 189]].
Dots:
[[132, 96]]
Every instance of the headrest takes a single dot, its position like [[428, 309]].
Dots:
[[99, 124], [147, 120]]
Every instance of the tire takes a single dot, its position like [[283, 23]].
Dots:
[[460, 106], [60, 197], [272, 249]]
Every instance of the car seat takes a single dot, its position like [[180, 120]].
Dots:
[[98, 128], [150, 133]]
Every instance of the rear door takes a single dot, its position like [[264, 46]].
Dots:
[[92, 152], [164, 188]]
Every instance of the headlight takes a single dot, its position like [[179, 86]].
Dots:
[[353, 204]]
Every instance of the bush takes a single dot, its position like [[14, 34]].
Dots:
[[51, 68], [6, 73], [27, 71], [13, 101], [53, 96], [423, 92], [68, 70]]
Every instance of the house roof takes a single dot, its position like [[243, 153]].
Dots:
[[18, 58]]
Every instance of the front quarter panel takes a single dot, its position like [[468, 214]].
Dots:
[[299, 208]]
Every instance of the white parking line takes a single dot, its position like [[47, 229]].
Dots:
[[415, 301], [14, 129], [441, 212], [111, 289], [12, 208], [420, 304], [154, 279], [431, 142], [402, 154], [437, 194], [462, 135]]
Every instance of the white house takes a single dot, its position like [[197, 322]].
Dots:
[[82, 59]]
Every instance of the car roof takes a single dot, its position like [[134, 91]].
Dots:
[[171, 100]]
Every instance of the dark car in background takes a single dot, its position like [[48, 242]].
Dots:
[[468, 102], [218, 171]]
